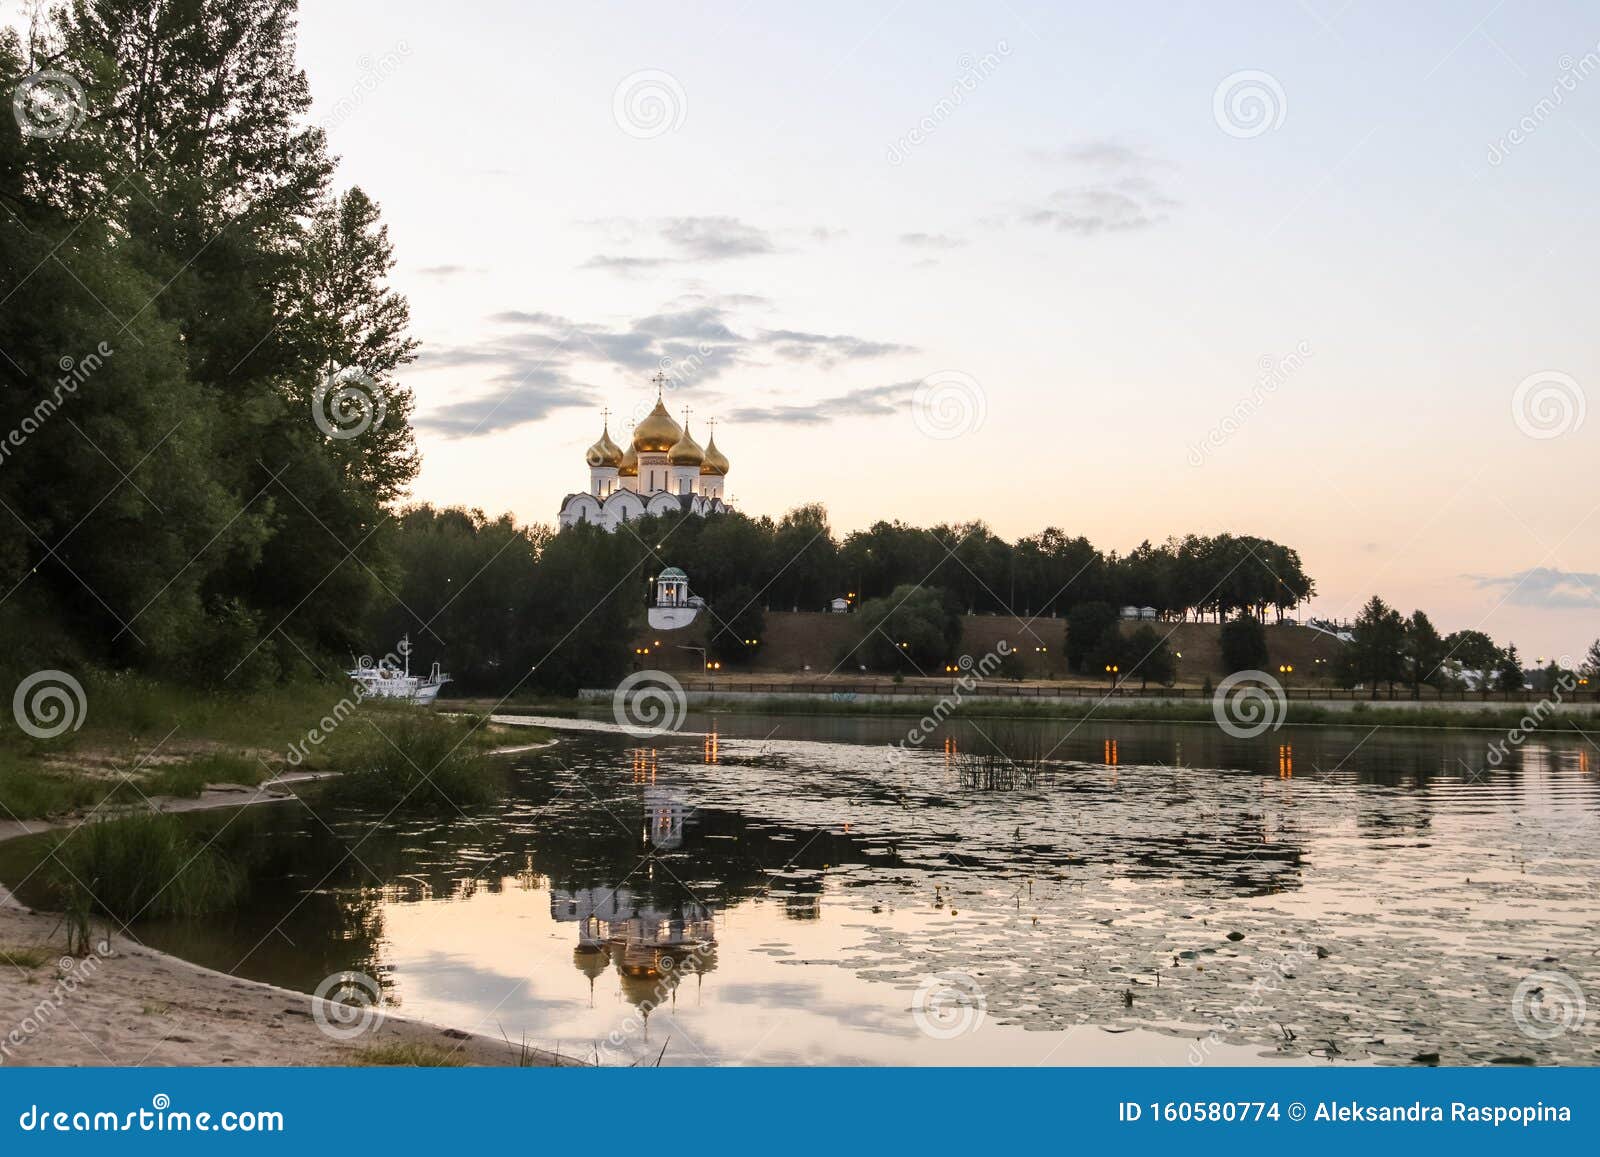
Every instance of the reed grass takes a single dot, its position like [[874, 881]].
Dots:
[[415, 762], [26, 958], [144, 866]]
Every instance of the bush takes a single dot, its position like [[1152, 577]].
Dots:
[[145, 866], [416, 762], [1087, 624], [912, 628], [1244, 644]]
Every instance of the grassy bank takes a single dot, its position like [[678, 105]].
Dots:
[[1498, 718], [137, 739], [418, 763]]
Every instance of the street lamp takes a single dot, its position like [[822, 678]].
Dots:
[[1113, 670]]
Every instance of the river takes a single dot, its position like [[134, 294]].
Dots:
[[800, 890]]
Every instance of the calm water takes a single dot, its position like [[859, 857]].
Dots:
[[775, 890]]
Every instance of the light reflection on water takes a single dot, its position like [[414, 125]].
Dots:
[[774, 890]]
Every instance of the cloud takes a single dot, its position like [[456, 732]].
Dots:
[[525, 397], [826, 349], [1107, 207], [1117, 191], [534, 362], [682, 241], [714, 238], [449, 270], [704, 323], [1543, 586], [867, 402], [624, 264], [932, 240], [1101, 154]]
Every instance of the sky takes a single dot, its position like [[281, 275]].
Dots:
[[1322, 272]]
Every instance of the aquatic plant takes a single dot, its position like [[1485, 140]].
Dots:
[[142, 866], [1004, 761], [416, 763]]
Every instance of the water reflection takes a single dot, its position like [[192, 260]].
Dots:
[[643, 939], [807, 887]]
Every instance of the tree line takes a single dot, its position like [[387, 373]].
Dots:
[[181, 275], [1393, 650]]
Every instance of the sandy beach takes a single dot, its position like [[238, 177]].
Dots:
[[126, 1004]]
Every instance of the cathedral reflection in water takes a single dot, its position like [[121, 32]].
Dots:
[[651, 941]]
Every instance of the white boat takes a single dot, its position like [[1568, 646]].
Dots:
[[384, 680]]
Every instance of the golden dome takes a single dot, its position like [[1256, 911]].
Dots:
[[685, 451], [630, 464], [604, 452], [657, 433], [716, 462]]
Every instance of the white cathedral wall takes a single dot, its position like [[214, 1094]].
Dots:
[[602, 480], [653, 473], [684, 478]]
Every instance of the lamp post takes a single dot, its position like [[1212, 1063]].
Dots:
[[1113, 670], [1284, 671]]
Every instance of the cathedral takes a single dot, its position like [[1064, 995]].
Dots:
[[663, 471]]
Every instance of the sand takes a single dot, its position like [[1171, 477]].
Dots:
[[126, 1004]]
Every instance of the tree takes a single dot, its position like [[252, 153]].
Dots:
[[908, 630], [1473, 651], [1591, 661], [343, 318], [1244, 644], [1555, 678], [583, 609], [1112, 649], [1150, 658], [1378, 654], [733, 621], [803, 560], [1510, 675], [462, 593], [1087, 624], [1425, 652]]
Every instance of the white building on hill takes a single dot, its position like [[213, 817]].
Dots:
[[663, 471]]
